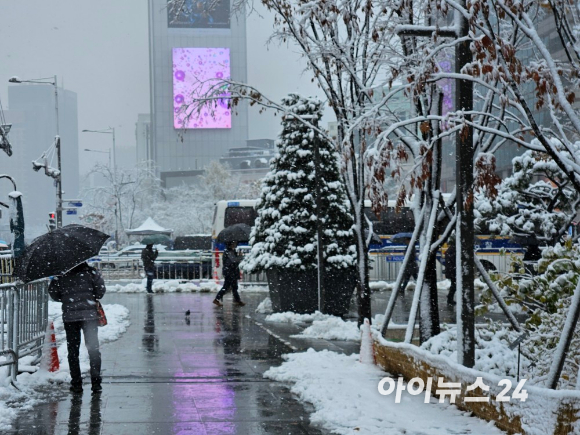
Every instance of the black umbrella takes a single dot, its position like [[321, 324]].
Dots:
[[234, 233], [60, 250]]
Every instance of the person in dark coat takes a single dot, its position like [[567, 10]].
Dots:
[[412, 269], [231, 272], [78, 290], [450, 271], [148, 256]]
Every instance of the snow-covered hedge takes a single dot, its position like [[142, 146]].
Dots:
[[546, 298]]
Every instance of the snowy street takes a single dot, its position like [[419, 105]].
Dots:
[[205, 373]]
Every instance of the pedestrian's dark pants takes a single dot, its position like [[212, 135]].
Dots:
[[73, 342], [410, 272], [150, 275], [452, 288], [229, 284]]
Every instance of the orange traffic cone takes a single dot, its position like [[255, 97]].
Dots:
[[367, 348], [216, 265], [53, 365]]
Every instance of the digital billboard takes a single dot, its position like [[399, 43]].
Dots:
[[193, 71], [199, 14]]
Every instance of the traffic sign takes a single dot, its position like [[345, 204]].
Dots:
[[73, 211], [75, 204]]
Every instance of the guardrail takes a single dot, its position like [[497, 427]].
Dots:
[[6, 269], [182, 268], [129, 268], [23, 321]]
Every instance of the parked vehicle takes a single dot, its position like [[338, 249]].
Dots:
[[196, 242]]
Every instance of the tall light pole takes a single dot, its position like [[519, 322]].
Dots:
[[103, 152], [111, 131], [51, 81]]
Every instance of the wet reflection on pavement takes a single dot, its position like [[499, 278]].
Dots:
[[173, 373]]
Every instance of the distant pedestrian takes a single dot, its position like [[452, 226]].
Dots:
[[412, 269], [148, 256], [231, 272], [78, 290], [450, 271]]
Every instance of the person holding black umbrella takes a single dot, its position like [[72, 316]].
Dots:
[[148, 256], [231, 272], [78, 290]]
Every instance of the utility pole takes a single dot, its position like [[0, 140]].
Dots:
[[58, 182], [59, 162], [319, 229], [464, 152], [464, 189]]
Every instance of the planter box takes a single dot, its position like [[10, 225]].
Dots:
[[544, 412], [297, 291]]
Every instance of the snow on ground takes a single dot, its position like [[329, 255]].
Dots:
[[346, 399], [265, 306], [30, 384], [492, 352], [324, 326], [179, 286]]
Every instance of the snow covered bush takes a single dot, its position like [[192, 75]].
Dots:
[[492, 352], [285, 230], [538, 199], [546, 298]]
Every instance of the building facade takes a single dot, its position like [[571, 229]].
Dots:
[[143, 137], [187, 49], [33, 117]]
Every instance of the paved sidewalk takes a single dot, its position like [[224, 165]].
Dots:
[[175, 375]]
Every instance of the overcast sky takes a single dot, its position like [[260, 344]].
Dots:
[[100, 51]]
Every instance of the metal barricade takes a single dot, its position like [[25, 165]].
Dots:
[[385, 266], [24, 317], [181, 268], [6, 269], [185, 269], [119, 269]]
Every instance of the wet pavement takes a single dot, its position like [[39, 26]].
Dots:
[[172, 374], [197, 374]]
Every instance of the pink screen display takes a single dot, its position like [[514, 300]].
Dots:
[[191, 68]]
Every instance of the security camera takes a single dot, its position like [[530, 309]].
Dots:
[[37, 166]]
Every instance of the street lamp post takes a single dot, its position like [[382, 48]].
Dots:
[[51, 81], [110, 130], [104, 152]]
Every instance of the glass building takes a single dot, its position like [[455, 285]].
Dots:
[[189, 50]]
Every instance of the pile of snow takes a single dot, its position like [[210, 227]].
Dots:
[[346, 400], [324, 326], [29, 397], [166, 286], [332, 328], [179, 286], [492, 352], [290, 317], [265, 306]]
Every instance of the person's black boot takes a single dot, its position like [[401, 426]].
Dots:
[[96, 385], [76, 388]]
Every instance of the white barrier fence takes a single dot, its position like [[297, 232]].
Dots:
[[23, 322]]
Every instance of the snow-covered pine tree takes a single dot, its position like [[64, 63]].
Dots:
[[538, 199], [285, 230]]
